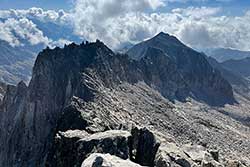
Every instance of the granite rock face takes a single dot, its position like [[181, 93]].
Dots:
[[80, 94]]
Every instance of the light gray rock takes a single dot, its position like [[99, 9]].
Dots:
[[107, 160], [211, 160], [170, 155], [234, 163], [195, 152]]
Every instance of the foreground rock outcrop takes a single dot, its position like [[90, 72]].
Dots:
[[80, 95], [72, 147], [141, 147]]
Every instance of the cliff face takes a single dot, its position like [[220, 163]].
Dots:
[[30, 115], [2, 91]]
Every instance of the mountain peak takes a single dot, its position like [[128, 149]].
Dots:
[[192, 65], [167, 38], [162, 34]]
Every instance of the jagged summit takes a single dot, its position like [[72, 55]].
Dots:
[[72, 47], [167, 39]]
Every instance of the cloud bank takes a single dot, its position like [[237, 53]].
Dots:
[[121, 22], [17, 26], [116, 22]]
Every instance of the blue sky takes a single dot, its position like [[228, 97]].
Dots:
[[45, 4]]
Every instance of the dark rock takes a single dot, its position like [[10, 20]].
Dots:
[[64, 150], [215, 154], [3, 88], [144, 146], [72, 147], [72, 118]]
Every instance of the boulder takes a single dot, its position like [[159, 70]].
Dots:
[[195, 152], [75, 116], [169, 155], [107, 160], [72, 147], [215, 154], [210, 164], [115, 142], [144, 146], [210, 160], [64, 150]]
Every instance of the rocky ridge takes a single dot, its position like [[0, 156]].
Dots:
[[85, 93]]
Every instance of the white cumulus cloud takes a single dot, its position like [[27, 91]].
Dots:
[[13, 30], [18, 28], [118, 22]]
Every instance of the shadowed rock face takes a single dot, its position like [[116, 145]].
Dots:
[[2, 91], [205, 83], [30, 116]]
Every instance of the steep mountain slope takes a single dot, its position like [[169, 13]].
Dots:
[[222, 54], [205, 83], [15, 63], [90, 89], [241, 67]]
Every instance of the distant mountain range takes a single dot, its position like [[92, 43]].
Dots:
[[230, 70], [15, 63], [240, 67], [222, 54]]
